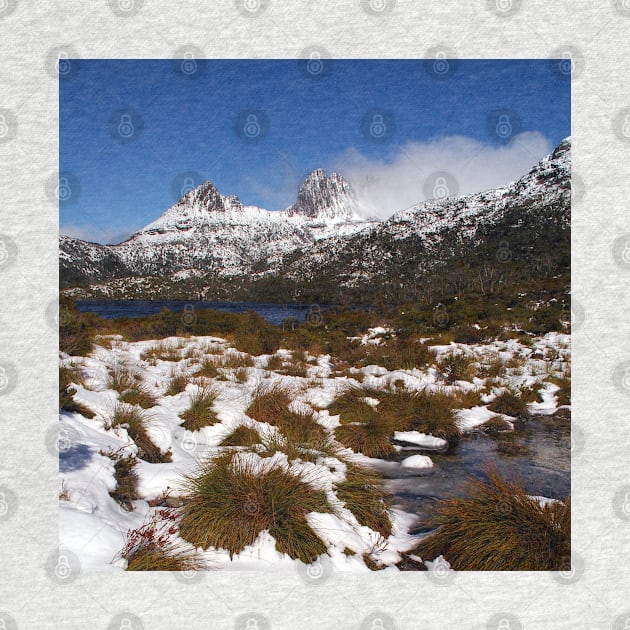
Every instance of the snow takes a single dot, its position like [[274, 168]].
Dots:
[[94, 526], [417, 461], [421, 439]]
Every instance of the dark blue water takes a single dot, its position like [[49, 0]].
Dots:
[[274, 313]]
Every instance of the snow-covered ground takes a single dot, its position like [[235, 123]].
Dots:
[[94, 526]]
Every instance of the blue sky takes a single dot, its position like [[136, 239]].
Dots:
[[190, 123]]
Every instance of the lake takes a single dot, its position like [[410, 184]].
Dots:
[[274, 313]]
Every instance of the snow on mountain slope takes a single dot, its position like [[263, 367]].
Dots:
[[322, 235]]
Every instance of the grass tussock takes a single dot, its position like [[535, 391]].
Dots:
[[431, 412], [177, 382], [242, 436], [139, 395], [350, 405], [399, 354], [457, 366], [149, 547], [67, 391], [269, 403], [370, 438], [499, 528], [200, 413], [362, 494], [509, 403], [229, 501], [162, 351], [563, 395], [134, 419], [495, 425]]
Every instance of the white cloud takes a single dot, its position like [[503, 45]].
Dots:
[[384, 187]]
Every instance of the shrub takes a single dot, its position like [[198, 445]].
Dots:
[[200, 413], [149, 547], [362, 494], [133, 420], [126, 490], [230, 500], [497, 527], [242, 436]]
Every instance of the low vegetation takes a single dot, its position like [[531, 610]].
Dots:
[[67, 391], [269, 403], [509, 403], [200, 413], [363, 495], [230, 500], [149, 547], [177, 382], [498, 527], [134, 419], [242, 435], [126, 490]]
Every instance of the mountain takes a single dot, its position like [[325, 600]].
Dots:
[[321, 249]]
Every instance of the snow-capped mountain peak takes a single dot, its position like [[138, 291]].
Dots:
[[323, 196]]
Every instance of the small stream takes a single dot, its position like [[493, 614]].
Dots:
[[545, 470]]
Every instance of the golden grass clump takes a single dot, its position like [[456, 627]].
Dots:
[[67, 391], [498, 527], [200, 413], [363, 495], [370, 438], [268, 403], [229, 501], [177, 382], [133, 419], [350, 405], [509, 403], [242, 435]]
